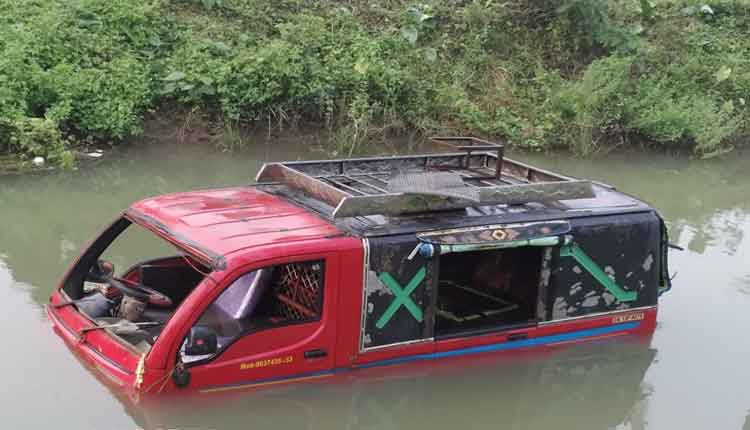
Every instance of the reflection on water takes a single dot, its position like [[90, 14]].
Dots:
[[744, 284], [698, 355], [539, 390]]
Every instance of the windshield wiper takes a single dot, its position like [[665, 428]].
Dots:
[[132, 326]]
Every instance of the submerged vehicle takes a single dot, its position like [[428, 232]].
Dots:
[[325, 266]]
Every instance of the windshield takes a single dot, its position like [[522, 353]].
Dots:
[[134, 246], [131, 281]]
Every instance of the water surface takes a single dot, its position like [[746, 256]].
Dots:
[[693, 373]]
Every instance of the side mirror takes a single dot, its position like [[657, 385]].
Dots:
[[100, 271], [201, 341]]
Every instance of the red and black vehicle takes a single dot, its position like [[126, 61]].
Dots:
[[325, 266]]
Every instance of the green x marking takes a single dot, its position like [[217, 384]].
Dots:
[[402, 297], [577, 253]]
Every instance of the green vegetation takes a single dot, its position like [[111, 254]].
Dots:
[[578, 74]]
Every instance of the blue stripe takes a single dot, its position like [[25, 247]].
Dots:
[[543, 340]]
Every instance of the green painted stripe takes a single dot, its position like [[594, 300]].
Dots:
[[468, 247], [590, 265], [402, 297]]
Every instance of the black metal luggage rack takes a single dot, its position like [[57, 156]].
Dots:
[[479, 175]]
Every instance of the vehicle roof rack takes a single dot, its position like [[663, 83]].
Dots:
[[479, 175]]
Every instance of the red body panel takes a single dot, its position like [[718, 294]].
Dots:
[[104, 352], [229, 220], [348, 312]]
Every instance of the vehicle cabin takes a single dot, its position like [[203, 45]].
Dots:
[[325, 266]]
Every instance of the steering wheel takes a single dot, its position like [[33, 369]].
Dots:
[[140, 292]]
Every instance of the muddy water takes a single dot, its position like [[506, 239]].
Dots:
[[693, 373]]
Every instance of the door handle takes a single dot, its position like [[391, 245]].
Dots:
[[517, 336], [315, 353]]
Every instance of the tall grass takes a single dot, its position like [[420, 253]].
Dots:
[[577, 74]]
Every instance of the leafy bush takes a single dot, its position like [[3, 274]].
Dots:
[[579, 74], [41, 137], [681, 89], [79, 68]]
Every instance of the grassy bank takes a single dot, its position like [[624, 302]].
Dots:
[[578, 74]]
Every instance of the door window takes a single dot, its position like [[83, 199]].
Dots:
[[488, 289], [265, 298]]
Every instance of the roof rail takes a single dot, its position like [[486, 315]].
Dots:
[[470, 144], [402, 185]]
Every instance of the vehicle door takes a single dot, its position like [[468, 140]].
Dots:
[[269, 324], [397, 313]]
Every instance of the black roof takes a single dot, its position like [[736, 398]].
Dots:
[[379, 225], [403, 194]]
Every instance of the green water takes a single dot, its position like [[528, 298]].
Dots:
[[692, 375]]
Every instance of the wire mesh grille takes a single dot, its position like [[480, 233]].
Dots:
[[299, 291], [374, 183]]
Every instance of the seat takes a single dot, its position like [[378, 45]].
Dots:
[[239, 300]]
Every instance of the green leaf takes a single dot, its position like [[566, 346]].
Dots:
[[169, 88], [430, 54], [222, 47], [723, 74], [410, 33], [728, 107], [647, 10], [361, 67], [174, 76]]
